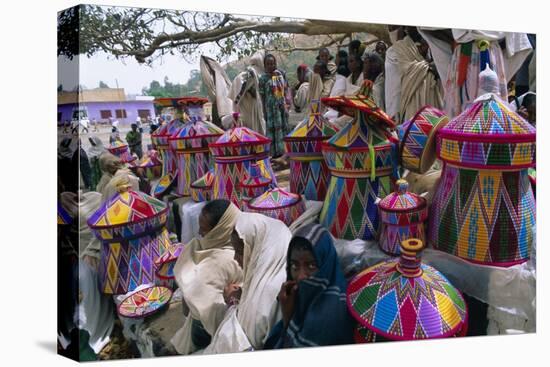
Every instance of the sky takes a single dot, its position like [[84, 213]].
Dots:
[[130, 75]]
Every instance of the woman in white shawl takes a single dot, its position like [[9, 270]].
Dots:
[[414, 82], [261, 244], [203, 270], [245, 96]]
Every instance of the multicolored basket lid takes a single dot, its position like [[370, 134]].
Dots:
[[314, 126], [363, 102], [63, 217], [403, 299], [195, 136], [164, 185], [488, 135], [279, 204], [402, 207], [240, 141], [128, 208], [359, 150], [165, 263], [144, 302], [417, 139]]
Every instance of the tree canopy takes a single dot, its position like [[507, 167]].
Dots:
[[146, 34]]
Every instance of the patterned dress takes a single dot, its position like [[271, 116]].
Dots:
[[273, 90]]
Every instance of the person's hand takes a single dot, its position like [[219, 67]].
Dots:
[[523, 112], [232, 293], [91, 261], [287, 297]]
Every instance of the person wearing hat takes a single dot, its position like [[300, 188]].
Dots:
[[134, 141]]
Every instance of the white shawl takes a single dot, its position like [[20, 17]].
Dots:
[[217, 84], [247, 325], [418, 85], [249, 105]]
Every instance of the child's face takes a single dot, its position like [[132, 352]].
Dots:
[[302, 264]]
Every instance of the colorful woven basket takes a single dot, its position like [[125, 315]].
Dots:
[[360, 160], [417, 139], [164, 186], [402, 216], [484, 208], [257, 182], [362, 335], [201, 189], [309, 172], [150, 166], [122, 151], [190, 145], [132, 228], [278, 204], [160, 142], [233, 154], [144, 302], [403, 299]]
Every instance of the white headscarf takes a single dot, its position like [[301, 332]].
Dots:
[[248, 324], [96, 147]]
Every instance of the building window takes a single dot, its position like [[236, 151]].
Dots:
[[120, 114], [106, 114], [144, 113]]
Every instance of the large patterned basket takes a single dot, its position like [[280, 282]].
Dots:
[[122, 151], [257, 182], [132, 228], [233, 154], [309, 172], [360, 160], [201, 189], [190, 144], [484, 208], [402, 216], [417, 139], [403, 299], [278, 204], [161, 143]]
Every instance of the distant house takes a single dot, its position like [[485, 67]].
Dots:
[[104, 104]]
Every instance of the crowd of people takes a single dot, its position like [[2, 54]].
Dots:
[[248, 283]]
